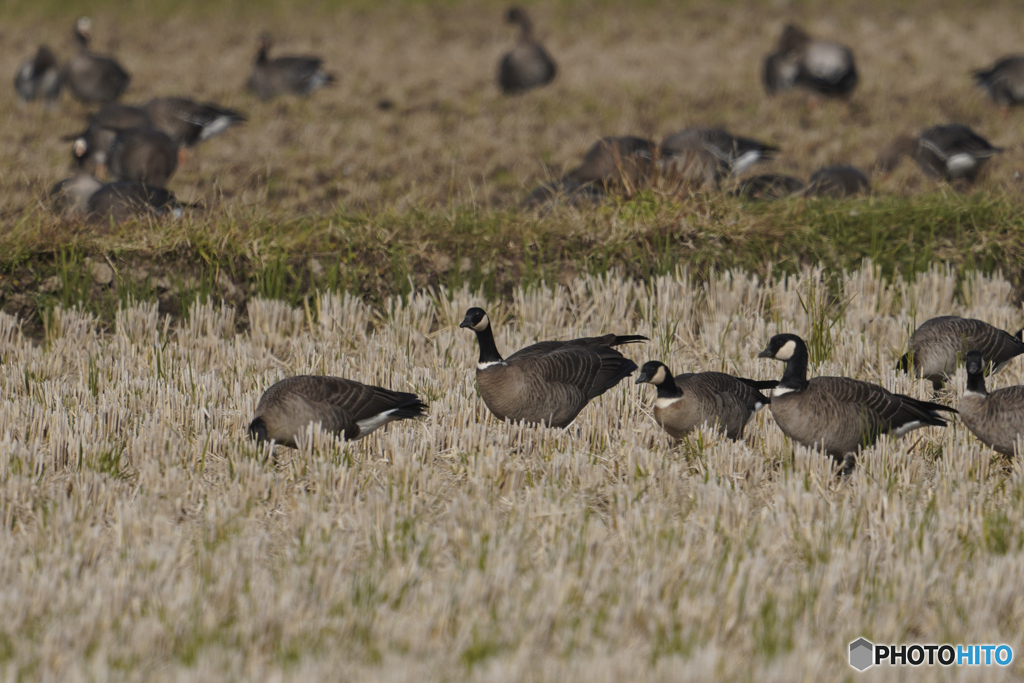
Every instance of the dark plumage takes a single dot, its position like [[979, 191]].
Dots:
[[566, 191], [91, 147], [143, 155], [188, 122], [837, 182], [769, 186], [939, 344], [285, 75], [71, 196], [93, 78], [624, 162], [707, 155], [839, 415], [341, 406], [124, 201], [528, 65], [951, 152], [996, 418], [1004, 81], [687, 401], [823, 68], [39, 77], [551, 381]]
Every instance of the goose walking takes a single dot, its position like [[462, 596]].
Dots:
[[996, 418]]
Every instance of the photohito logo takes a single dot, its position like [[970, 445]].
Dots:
[[865, 654]]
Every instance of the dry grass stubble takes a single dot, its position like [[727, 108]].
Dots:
[[147, 537]]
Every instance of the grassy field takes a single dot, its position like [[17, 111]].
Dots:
[[146, 538]]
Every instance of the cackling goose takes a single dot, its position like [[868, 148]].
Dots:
[[341, 406], [39, 77], [996, 418], [92, 78], [549, 382], [285, 75], [938, 344], [528, 65]]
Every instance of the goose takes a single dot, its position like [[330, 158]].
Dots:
[[92, 146], [564, 190], [70, 197], [839, 415], [614, 161], [123, 201], [143, 155], [837, 182], [39, 77], [822, 67], [950, 152], [528, 65], [341, 406], [285, 75], [1004, 82], [709, 154], [189, 123], [938, 344], [996, 418], [549, 382], [769, 186], [687, 401], [93, 78]]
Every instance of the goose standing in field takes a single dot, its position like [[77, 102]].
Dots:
[[39, 77], [996, 418], [839, 415], [189, 123], [624, 162], [822, 67], [285, 75], [939, 344], [93, 78], [127, 200], [143, 155], [528, 65], [551, 381], [687, 401], [837, 182], [950, 152], [341, 406], [708, 154], [769, 186], [1004, 82], [92, 146]]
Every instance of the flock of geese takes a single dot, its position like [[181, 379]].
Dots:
[[551, 382], [138, 148]]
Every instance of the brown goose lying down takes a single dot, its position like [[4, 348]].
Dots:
[[938, 345], [769, 186], [996, 418], [528, 65], [341, 406], [285, 75], [837, 182], [123, 201], [39, 77], [819, 66], [93, 78], [189, 123], [1004, 82], [708, 154], [549, 382], [92, 146], [950, 152], [691, 399], [143, 155], [625, 162]]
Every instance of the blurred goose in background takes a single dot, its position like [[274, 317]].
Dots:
[[39, 77], [996, 418], [528, 65], [189, 123], [950, 152], [837, 182], [567, 191], [709, 154], [285, 75], [124, 201], [143, 155], [70, 197], [92, 78], [92, 146], [769, 186], [939, 344], [819, 66], [624, 162], [1004, 82]]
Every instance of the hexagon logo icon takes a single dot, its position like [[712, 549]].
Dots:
[[861, 654]]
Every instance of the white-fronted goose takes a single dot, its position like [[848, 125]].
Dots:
[[188, 122], [718, 154], [123, 201], [92, 146], [951, 152], [939, 344], [39, 77], [285, 75], [624, 162], [93, 78], [143, 155], [528, 65], [341, 406], [996, 418], [837, 182], [769, 186], [839, 415], [549, 382], [1004, 82], [687, 401], [822, 67]]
